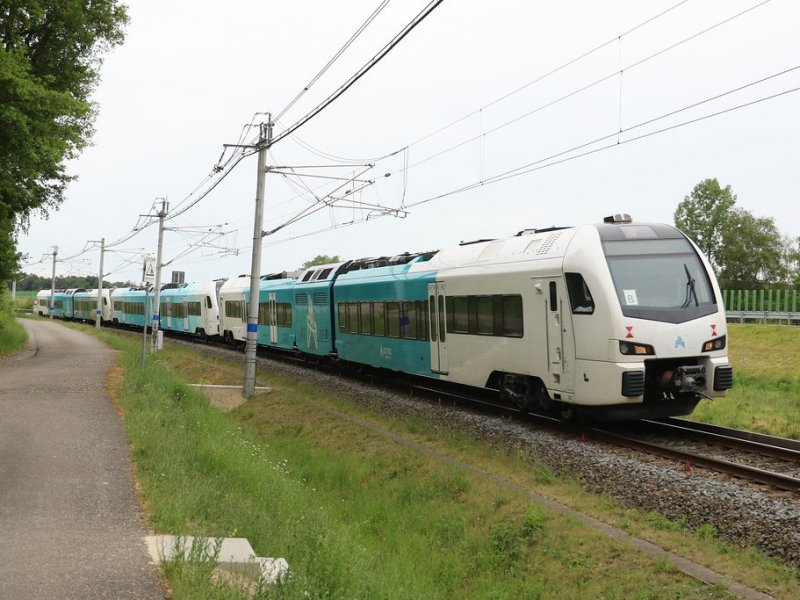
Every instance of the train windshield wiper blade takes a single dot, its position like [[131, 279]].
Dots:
[[690, 289]]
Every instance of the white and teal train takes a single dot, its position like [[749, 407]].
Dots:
[[617, 320]]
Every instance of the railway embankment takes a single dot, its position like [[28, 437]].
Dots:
[[366, 491]]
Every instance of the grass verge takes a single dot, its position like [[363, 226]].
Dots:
[[12, 334], [766, 392], [358, 515]]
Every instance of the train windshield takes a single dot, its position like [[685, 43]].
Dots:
[[660, 279]]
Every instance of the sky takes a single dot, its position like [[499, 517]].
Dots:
[[486, 119]]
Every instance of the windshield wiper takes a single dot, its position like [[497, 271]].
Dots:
[[690, 290]]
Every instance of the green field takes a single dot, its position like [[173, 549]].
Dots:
[[311, 476], [766, 392]]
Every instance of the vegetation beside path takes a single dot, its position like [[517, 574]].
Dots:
[[12, 334], [358, 515]]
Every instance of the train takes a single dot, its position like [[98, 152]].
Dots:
[[616, 320]]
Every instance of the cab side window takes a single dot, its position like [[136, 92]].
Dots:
[[580, 298]]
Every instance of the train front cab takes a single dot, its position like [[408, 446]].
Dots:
[[651, 339]]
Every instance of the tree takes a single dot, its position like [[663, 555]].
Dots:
[[703, 216], [320, 259], [754, 252], [49, 65]]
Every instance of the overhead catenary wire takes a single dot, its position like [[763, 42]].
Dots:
[[335, 57], [579, 90], [554, 159], [421, 16]]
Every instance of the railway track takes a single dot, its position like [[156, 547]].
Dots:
[[728, 451], [746, 455]]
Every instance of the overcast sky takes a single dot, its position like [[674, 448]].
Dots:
[[191, 75]]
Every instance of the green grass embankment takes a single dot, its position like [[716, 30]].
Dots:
[[12, 334], [766, 392], [358, 515]]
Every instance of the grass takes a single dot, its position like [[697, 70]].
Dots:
[[766, 392], [12, 334], [358, 515]]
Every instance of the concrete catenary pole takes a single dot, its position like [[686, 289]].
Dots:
[[264, 141], [157, 290], [99, 312], [53, 282]]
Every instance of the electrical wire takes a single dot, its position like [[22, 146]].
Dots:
[[576, 91], [363, 70], [549, 161], [335, 57]]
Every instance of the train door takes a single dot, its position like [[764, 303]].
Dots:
[[438, 321], [185, 319], [273, 319], [558, 331]]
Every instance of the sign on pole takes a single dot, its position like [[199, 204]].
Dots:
[[149, 271]]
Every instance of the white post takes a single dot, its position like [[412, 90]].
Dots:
[[264, 141], [99, 311], [53, 282], [157, 293]]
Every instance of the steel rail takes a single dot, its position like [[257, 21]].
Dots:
[[777, 480]]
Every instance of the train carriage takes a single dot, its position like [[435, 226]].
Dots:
[[63, 305], [276, 323], [620, 319], [233, 298], [382, 316], [132, 307], [41, 303], [191, 308], [85, 305]]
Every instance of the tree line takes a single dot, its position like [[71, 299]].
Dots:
[[50, 57], [746, 251], [34, 283]]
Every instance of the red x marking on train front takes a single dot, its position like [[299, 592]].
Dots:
[[629, 328], [713, 330]]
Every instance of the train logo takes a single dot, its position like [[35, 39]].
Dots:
[[311, 325], [679, 343]]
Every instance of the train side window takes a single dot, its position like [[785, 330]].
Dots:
[[365, 318], [342, 316], [208, 302], [352, 317], [432, 313], [408, 320], [512, 316], [580, 298], [484, 315], [393, 319], [460, 314], [442, 335], [263, 313], [379, 318], [422, 319], [553, 297], [285, 313]]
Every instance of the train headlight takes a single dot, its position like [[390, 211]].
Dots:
[[717, 343], [634, 348]]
